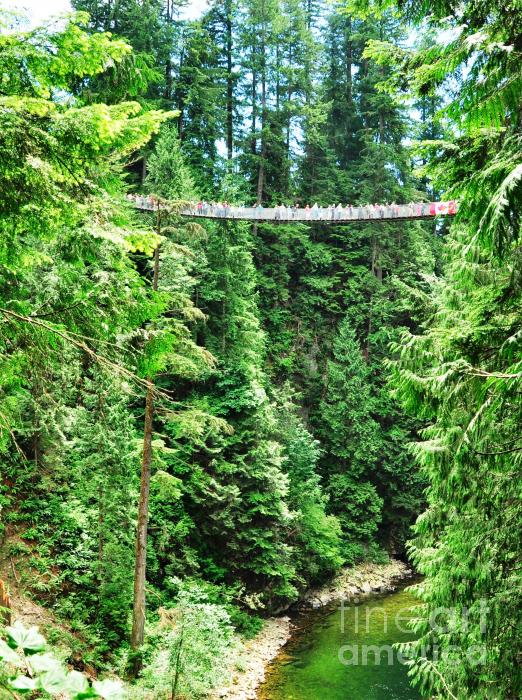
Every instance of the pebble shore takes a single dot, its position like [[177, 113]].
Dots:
[[264, 647]]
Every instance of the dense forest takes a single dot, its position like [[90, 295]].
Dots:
[[201, 420]]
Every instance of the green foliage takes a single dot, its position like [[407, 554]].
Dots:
[[194, 646], [168, 175], [278, 452], [74, 306], [149, 29], [28, 667], [315, 535], [353, 441], [462, 375], [237, 478]]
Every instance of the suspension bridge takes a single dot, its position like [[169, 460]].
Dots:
[[285, 214]]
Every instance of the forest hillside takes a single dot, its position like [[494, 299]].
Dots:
[[202, 419]]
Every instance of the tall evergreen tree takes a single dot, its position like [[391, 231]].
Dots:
[[462, 375], [352, 441]]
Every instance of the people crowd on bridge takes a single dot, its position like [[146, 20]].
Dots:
[[315, 212]]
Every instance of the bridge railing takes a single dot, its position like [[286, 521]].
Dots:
[[414, 210]]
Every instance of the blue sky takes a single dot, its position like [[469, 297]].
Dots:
[[38, 10]]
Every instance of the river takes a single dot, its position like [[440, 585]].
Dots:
[[328, 657]]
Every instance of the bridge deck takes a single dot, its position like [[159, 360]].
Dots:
[[394, 212]]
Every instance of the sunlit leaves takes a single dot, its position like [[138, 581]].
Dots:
[[8, 655], [109, 689], [30, 640], [44, 674], [27, 65]]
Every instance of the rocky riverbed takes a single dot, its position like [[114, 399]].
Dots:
[[256, 655], [263, 648], [356, 581]]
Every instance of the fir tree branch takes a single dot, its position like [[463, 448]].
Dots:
[[72, 339]]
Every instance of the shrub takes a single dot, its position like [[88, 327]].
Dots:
[[194, 647], [27, 666]]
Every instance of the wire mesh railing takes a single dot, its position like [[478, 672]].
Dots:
[[283, 213]]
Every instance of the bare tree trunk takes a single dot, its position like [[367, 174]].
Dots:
[[381, 113], [254, 112], [5, 605], [278, 76], [261, 169], [289, 99], [349, 62], [181, 101], [143, 168], [230, 85], [138, 613], [168, 64], [376, 268]]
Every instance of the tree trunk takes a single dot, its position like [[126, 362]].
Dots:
[[376, 268], [261, 169], [143, 168], [383, 73], [254, 110], [5, 605], [349, 62], [181, 100], [278, 77], [230, 84], [138, 613], [288, 101], [168, 63]]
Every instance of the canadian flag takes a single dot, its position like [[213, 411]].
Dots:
[[441, 208]]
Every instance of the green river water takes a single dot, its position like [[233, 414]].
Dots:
[[309, 668]]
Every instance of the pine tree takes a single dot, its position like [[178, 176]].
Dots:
[[462, 374], [71, 314], [315, 535], [168, 174], [353, 442], [150, 29], [240, 481], [199, 96]]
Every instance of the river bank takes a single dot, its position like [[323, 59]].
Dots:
[[336, 654], [355, 581], [258, 652]]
